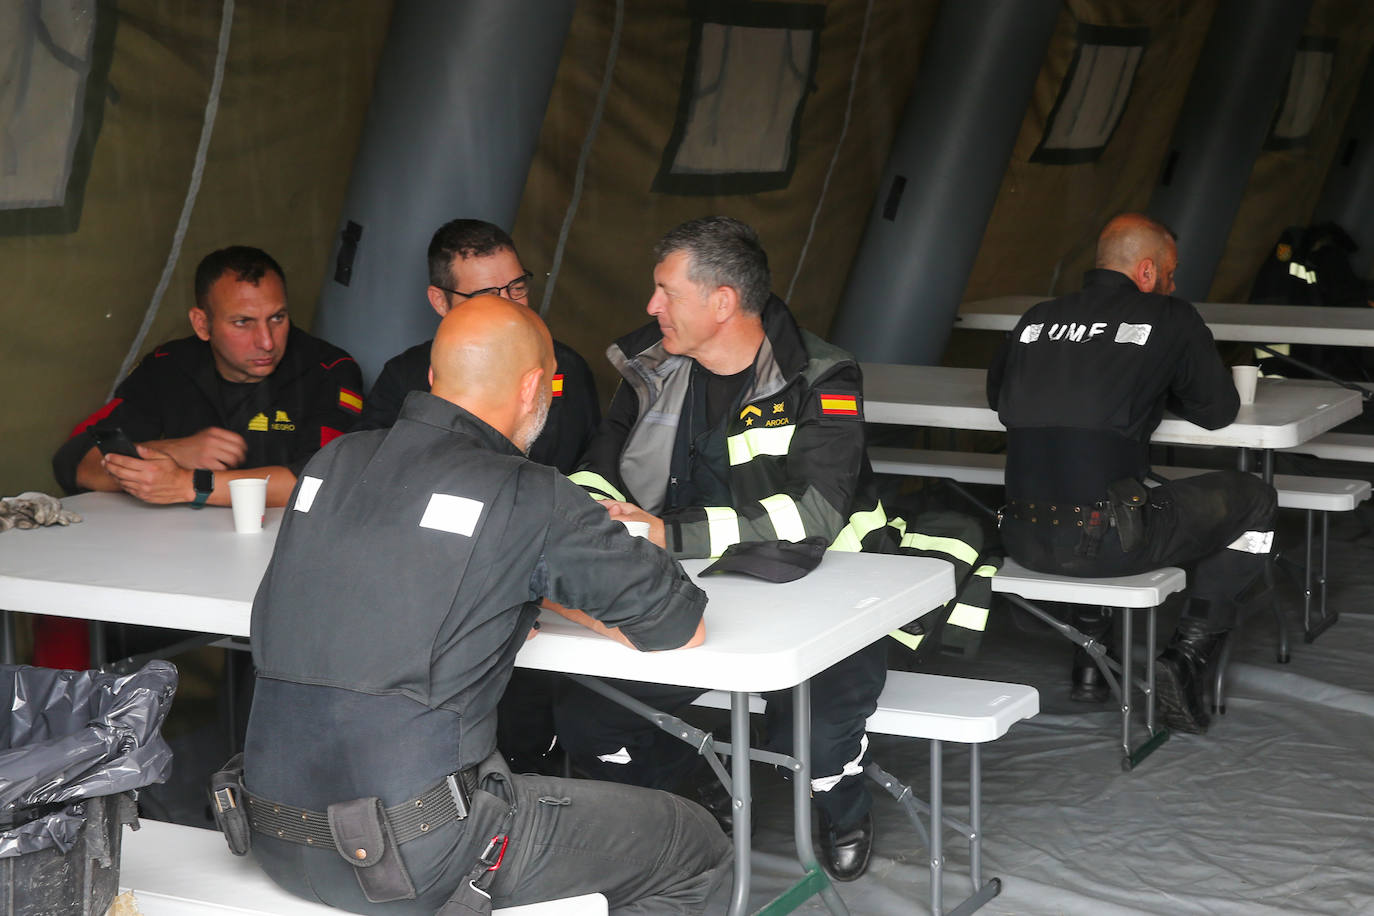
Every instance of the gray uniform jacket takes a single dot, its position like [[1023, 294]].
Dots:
[[400, 590]]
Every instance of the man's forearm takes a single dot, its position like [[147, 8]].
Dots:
[[91, 473]]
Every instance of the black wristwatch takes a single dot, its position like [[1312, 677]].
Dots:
[[204, 483]]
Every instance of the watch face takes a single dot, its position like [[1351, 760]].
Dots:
[[203, 481]]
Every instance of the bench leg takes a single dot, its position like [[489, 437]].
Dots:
[[1325, 618]]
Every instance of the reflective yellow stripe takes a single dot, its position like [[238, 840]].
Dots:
[[596, 482], [850, 540], [951, 546], [911, 640], [969, 616], [723, 525], [759, 441], [782, 512], [985, 571]]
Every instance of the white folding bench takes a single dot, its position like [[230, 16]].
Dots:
[[939, 709], [1148, 590], [1311, 494], [174, 870], [1337, 447]]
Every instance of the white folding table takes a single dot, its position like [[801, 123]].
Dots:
[[1286, 412], [1341, 327], [177, 567]]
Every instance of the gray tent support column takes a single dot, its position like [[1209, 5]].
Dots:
[[978, 71], [1228, 111], [451, 129], [1348, 195]]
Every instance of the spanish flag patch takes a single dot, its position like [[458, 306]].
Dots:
[[350, 400], [837, 404], [558, 385]]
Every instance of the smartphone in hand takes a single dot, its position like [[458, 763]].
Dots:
[[113, 442]]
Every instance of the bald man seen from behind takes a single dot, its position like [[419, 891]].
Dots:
[[405, 579], [1081, 383]]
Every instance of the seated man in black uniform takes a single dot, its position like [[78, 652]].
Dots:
[[476, 256], [247, 395], [733, 424], [405, 579], [1081, 383]]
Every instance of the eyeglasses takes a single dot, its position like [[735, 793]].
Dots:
[[518, 288]]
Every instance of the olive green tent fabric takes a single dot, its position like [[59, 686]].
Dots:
[[1043, 229], [297, 80], [605, 277], [1285, 184]]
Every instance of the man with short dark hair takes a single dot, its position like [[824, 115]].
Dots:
[[1081, 384], [370, 754], [467, 258], [247, 395], [732, 425]]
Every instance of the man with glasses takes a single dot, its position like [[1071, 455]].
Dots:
[[467, 258]]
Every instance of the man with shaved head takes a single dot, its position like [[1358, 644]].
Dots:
[[1081, 383], [405, 578]]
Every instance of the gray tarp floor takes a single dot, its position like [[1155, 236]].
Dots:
[[1271, 812]]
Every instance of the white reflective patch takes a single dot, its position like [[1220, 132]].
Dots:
[[1031, 333], [1132, 333], [1253, 542], [621, 757], [305, 493], [787, 521], [457, 514], [851, 768]]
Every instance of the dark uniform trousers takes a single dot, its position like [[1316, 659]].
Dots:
[[566, 837], [842, 698], [1188, 523]]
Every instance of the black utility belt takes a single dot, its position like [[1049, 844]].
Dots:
[[449, 800], [1041, 512]]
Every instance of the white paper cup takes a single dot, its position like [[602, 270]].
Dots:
[[248, 496], [638, 529], [1246, 377]]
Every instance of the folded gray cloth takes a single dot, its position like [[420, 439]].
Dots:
[[33, 510]]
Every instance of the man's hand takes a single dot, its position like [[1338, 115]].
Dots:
[[154, 477], [212, 448], [632, 513]]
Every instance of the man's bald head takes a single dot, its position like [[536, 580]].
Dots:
[[494, 358], [1142, 249]]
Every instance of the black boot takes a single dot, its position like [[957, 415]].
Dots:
[[844, 852], [1181, 676], [1089, 683]]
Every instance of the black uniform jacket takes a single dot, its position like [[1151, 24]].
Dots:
[[401, 588], [573, 415], [795, 441], [314, 395], [1083, 380]]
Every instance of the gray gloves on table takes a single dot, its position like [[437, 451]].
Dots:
[[32, 510]]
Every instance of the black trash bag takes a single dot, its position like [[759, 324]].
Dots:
[[74, 735]]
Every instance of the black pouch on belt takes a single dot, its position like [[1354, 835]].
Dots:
[[228, 804], [1126, 501], [365, 841]]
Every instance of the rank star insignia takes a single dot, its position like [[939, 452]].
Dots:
[[748, 421], [777, 408]]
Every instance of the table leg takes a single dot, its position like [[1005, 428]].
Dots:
[[742, 798], [801, 797]]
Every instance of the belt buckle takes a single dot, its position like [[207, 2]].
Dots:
[[459, 794]]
